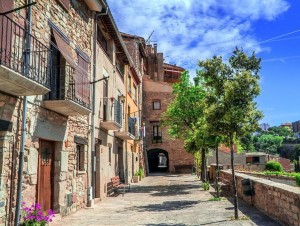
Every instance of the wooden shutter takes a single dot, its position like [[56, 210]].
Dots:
[[65, 4], [6, 28], [82, 83], [64, 48]]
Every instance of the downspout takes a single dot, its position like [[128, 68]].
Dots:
[[126, 124], [97, 15], [23, 132]]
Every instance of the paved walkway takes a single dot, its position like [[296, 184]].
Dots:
[[166, 200]]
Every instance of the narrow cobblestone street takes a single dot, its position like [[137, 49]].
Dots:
[[165, 200]]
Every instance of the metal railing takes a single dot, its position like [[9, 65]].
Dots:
[[172, 76], [63, 87], [13, 52], [112, 110], [132, 126], [157, 138]]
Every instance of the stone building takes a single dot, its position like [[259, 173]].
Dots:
[[157, 94], [71, 72]]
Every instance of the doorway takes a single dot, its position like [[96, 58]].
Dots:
[[45, 175]]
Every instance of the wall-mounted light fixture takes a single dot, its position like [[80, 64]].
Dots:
[[122, 98]]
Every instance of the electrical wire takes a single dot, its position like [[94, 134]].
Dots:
[[281, 58], [280, 36]]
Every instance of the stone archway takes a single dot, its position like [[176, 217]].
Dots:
[[153, 160]]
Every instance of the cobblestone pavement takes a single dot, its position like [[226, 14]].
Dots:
[[166, 200]]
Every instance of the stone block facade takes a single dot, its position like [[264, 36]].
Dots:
[[68, 136], [277, 200]]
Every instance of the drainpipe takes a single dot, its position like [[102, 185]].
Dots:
[[23, 133], [97, 15]]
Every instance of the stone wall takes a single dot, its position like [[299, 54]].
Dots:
[[279, 201], [42, 124], [224, 158]]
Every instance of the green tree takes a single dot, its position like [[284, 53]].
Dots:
[[183, 113], [232, 88], [268, 143], [247, 143], [280, 131], [185, 109]]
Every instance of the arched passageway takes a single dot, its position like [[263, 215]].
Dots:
[[158, 160]]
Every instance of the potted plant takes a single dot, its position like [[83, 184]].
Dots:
[[135, 178], [34, 216], [141, 173]]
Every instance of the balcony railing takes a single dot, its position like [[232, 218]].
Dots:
[[63, 88], [111, 114], [132, 126], [172, 77], [157, 138], [32, 64]]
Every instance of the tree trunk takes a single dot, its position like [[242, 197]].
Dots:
[[235, 201], [217, 171], [203, 166]]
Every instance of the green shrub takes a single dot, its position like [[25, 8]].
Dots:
[[298, 179], [141, 173], [205, 186], [137, 173], [274, 166]]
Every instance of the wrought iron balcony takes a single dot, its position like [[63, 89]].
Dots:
[[111, 114], [130, 130], [67, 97], [157, 138], [23, 72]]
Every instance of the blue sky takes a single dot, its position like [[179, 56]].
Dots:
[[190, 30]]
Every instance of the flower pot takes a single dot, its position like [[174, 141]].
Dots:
[[135, 179]]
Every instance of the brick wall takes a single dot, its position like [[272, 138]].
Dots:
[[178, 157], [279, 201]]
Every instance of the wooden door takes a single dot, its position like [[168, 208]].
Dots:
[[97, 172], [45, 177]]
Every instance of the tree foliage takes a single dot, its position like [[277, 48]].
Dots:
[[268, 143], [184, 111]]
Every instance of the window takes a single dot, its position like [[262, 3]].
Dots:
[[82, 83], [65, 4], [156, 105], [252, 160], [134, 92], [157, 134], [102, 40], [129, 84], [105, 101], [109, 155], [80, 157]]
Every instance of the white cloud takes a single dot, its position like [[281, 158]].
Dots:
[[191, 30]]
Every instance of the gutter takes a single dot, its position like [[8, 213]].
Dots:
[[23, 133]]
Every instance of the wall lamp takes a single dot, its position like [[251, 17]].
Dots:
[[122, 98], [104, 78]]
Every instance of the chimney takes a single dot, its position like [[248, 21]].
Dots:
[[155, 49]]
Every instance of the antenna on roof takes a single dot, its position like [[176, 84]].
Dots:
[[148, 39]]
